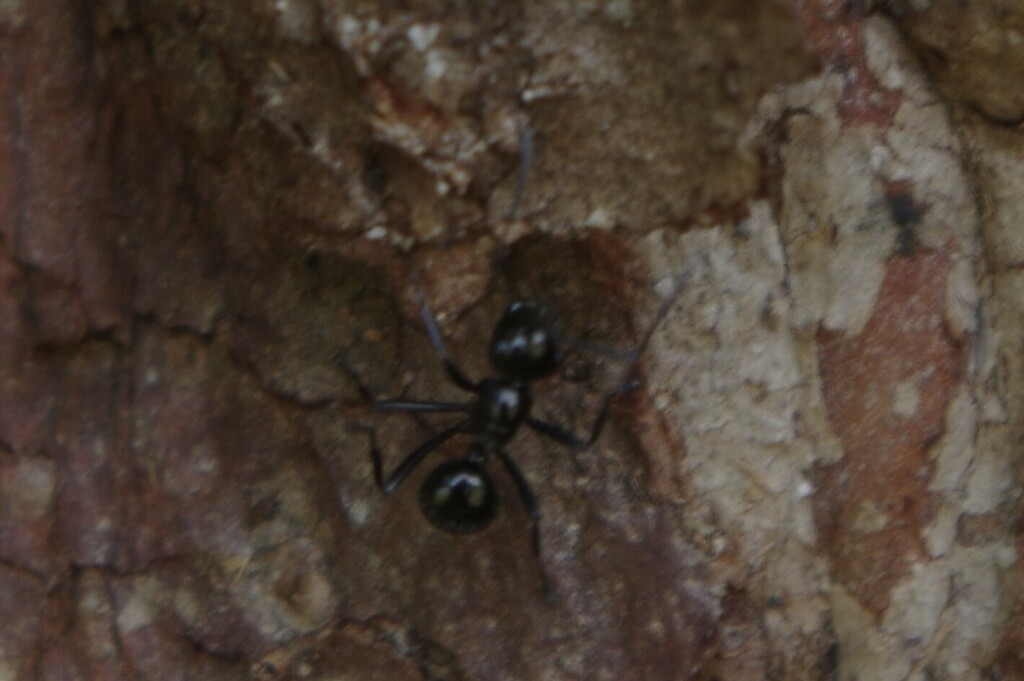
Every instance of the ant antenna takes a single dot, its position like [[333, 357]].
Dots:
[[436, 339], [525, 161], [633, 353]]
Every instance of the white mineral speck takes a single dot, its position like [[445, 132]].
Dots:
[[804, 489], [665, 288], [437, 65], [348, 27], [718, 545], [907, 399], [422, 36], [358, 512], [880, 157], [600, 219], [134, 615]]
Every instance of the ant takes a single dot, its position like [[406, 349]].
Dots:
[[459, 496]]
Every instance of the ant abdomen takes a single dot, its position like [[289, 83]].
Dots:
[[459, 497]]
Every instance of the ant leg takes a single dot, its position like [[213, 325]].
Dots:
[[411, 461], [530, 503], [418, 406], [458, 378], [558, 434]]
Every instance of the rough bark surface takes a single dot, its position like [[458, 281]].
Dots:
[[797, 224]]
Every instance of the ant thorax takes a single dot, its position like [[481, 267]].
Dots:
[[500, 408]]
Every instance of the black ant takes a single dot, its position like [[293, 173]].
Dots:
[[459, 496]]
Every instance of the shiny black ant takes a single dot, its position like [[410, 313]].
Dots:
[[459, 496]]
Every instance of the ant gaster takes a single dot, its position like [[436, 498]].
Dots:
[[459, 496]]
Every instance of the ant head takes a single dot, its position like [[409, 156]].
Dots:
[[523, 345], [459, 497]]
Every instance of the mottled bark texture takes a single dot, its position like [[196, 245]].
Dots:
[[798, 224]]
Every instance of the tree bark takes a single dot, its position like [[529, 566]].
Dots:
[[795, 225]]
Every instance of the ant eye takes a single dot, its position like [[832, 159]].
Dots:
[[538, 343], [459, 497]]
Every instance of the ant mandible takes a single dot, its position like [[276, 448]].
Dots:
[[459, 496]]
